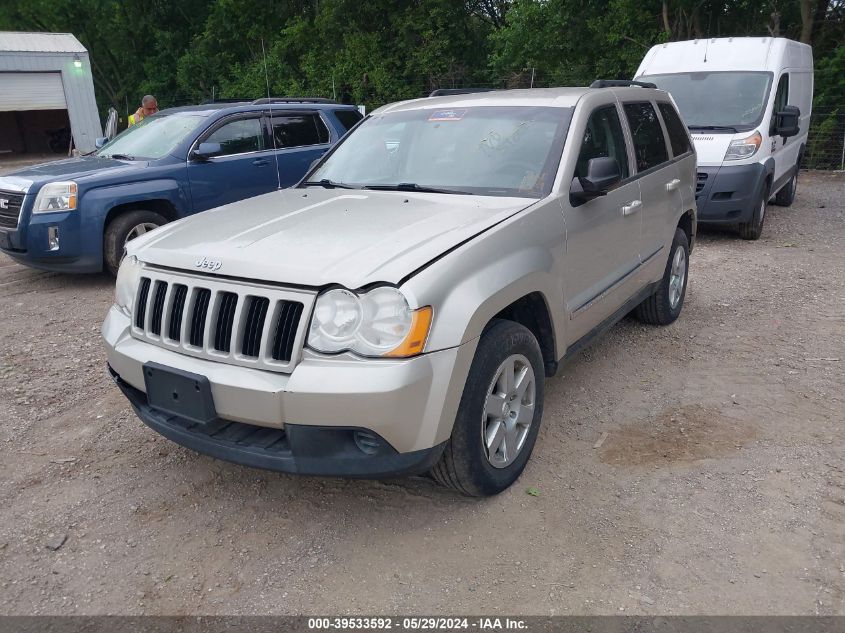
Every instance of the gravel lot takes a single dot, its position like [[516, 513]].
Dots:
[[720, 487]]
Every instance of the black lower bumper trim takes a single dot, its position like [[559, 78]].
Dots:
[[299, 449]]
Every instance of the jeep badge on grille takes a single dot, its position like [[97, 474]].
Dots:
[[209, 264]]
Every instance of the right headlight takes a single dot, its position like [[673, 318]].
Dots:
[[126, 284], [376, 323], [744, 147]]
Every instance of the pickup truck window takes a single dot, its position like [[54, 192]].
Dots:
[[240, 136], [299, 130], [152, 138], [491, 150]]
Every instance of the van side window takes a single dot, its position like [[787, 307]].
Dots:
[[677, 130], [781, 100], [649, 143], [603, 137]]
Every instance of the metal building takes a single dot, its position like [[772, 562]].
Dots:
[[46, 95]]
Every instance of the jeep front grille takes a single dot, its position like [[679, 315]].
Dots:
[[10, 210], [238, 323], [701, 180]]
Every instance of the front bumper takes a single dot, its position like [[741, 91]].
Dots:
[[409, 405], [727, 194]]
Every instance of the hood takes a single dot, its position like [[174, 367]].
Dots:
[[710, 147], [315, 237], [69, 169]]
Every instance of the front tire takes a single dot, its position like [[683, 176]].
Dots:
[[752, 229], [665, 305], [123, 229], [499, 415]]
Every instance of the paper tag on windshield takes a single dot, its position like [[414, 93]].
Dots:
[[447, 115]]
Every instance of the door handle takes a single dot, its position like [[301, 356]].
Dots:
[[260, 162], [672, 184], [632, 207]]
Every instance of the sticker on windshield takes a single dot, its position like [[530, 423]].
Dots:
[[447, 115]]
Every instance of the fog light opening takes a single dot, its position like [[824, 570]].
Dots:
[[368, 443], [53, 238]]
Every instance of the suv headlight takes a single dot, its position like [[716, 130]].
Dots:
[[744, 147], [376, 323], [56, 196], [126, 284]]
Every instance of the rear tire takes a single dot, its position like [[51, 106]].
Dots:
[[752, 229], [665, 305], [786, 196], [497, 424], [124, 228]]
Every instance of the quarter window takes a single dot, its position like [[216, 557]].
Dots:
[[678, 137], [649, 144], [239, 137], [299, 130], [603, 138], [348, 118]]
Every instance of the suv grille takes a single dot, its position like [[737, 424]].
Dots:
[[242, 324], [701, 180], [10, 209]]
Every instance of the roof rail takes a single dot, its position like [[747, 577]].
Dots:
[[445, 92], [228, 100], [621, 83], [271, 100]]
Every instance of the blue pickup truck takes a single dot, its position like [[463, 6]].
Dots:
[[76, 215]]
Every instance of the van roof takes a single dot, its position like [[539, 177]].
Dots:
[[724, 54]]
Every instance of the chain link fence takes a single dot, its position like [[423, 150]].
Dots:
[[826, 142]]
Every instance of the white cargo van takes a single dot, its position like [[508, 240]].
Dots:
[[747, 103]]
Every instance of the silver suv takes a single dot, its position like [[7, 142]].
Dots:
[[397, 311]]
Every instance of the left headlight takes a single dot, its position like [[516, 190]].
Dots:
[[126, 284], [376, 323], [56, 196]]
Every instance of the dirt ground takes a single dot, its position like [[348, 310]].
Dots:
[[719, 489]]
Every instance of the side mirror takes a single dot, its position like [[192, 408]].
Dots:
[[602, 174], [98, 143], [206, 150], [787, 121]]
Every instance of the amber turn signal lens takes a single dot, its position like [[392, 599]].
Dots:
[[415, 341]]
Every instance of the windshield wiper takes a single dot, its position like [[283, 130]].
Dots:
[[727, 128], [412, 186], [122, 156], [328, 184]]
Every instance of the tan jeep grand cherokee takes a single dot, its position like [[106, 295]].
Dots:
[[398, 310]]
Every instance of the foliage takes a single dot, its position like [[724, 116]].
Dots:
[[373, 52]]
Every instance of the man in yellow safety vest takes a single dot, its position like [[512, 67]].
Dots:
[[149, 106]]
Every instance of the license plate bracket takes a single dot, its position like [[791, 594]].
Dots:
[[180, 393]]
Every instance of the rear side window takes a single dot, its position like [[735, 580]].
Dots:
[[239, 137], [677, 130], [603, 138], [348, 118], [299, 130], [649, 144]]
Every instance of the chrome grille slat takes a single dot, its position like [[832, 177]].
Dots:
[[239, 323]]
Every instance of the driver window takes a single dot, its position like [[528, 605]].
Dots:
[[781, 100], [239, 137], [603, 138]]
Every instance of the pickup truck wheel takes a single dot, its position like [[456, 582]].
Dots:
[[786, 196], [125, 228], [664, 306], [499, 415], [752, 229]]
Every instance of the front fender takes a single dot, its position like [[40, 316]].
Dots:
[[469, 286], [99, 201]]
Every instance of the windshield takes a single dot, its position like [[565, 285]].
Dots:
[[152, 138], [495, 151], [722, 99]]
